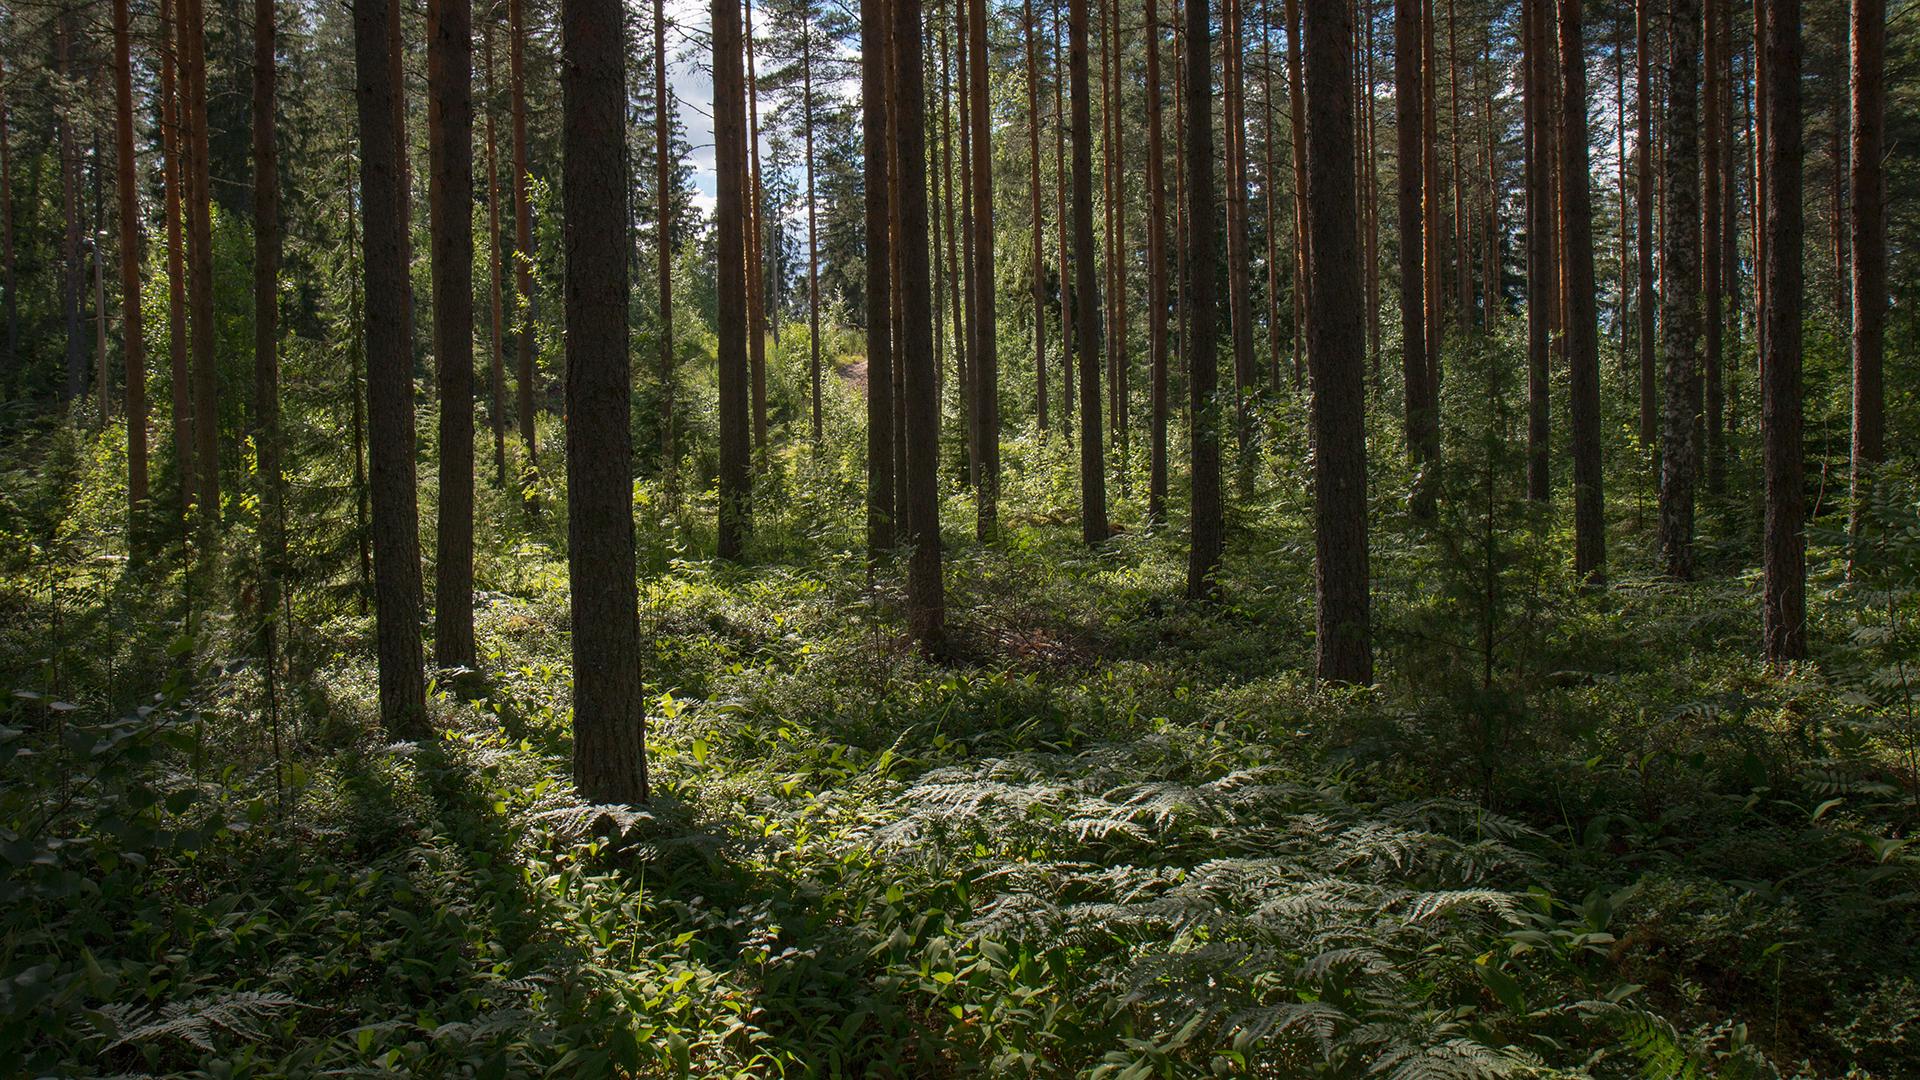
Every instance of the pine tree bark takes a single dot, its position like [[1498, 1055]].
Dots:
[[1239, 254], [523, 237], [1542, 276], [199, 213], [1868, 224], [1156, 281], [986, 373], [173, 177], [1302, 243], [450, 214], [1337, 353], [1644, 237], [1208, 524], [756, 246], [730, 148], [1680, 300], [875, 44], [496, 361], [1713, 271], [609, 725], [1582, 320], [813, 220], [1094, 527], [133, 334], [1783, 536], [10, 362], [266, 329], [1038, 286], [72, 274], [1063, 225], [1422, 424], [926, 598], [395, 526]]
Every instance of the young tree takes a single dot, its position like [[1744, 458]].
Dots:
[[1094, 527], [1337, 352], [756, 239], [173, 177], [1868, 214], [875, 45], [1038, 286], [133, 340], [1582, 317], [1208, 519], [199, 213], [1643, 206], [71, 272], [730, 148], [266, 335], [926, 592], [450, 212], [396, 538], [663, 248], [1422, 422], [1239, 252], [609, 726], [1680, 301], [1783, 538]]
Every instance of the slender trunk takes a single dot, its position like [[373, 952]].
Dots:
[[133, 343], [1582, 318], [1063, 227], [1086, 308], [875, 38], [1541, 276], [1337, 351], [986, 360], [96, 248], [1119, 379], [396, 540], [1422, 424], [1302, 237], [1643, 231], [1624, 308], [172, 177], [10, 362], [1680, 300], [1156, 280], [1463, 268], [813, 220], [1039, 271], [1372, 199], [496, 363], [970, 344], [199, 213], [1784, 541], [450, 206], [730, 165], [71, 279], [1868, 223], [756, 247], [266, 330], [1239, 255], [356, 390], [1713, 270], [522, 237], [1270, 191], [1433, 216], [1208, 523], [926, 599]]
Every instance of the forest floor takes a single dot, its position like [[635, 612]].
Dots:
[[1118, 834]]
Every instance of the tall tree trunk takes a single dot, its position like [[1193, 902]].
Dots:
[[206, 406], [173, 177], [1713, 270], [986, 357], [1542, 278], [902, 498], [1208, 523], [1582, 325], [1643, 168], [1620, 187], [1433, 215], [813, 220], [450, 204], [1462, 247], [1302, 240], [133, 334], [926, 598], [1680, 300], [609, 720], [1270, 192], [663, 249], [396, 539], [1094, 527], [875, 43], [1239, 255], [1868, 223], [496, 362], [756, 248], [970, 342], [1156, 281], [1372, 199], [96, 249], [1063, 226], [1837, 190], [71, 272], [1039, 271], [522, 237], [1783, 541], [266, 334], [1422, 423], [730, 149], [1119, 372], [10, 363], [1337, 351]]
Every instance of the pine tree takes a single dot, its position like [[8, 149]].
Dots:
[[1094, 527], [133, 337], [1868, 210], [1582, 318], [1680, 300], [1783, 537], [450, 211], [1208, 523]]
